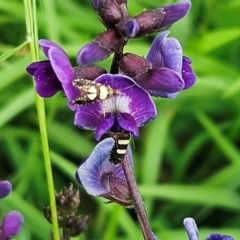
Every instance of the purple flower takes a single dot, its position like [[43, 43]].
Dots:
[[5, 188], [130, 109], [164, 72], [101, 178], [57, 73], [11, 225], [192, 231]]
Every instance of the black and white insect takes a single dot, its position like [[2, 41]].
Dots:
[[91, 92], [119, 149]]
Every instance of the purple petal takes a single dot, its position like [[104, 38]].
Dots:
[[161, 80], [64, 71], [46, 82], [5, 188], [31, 68], [191, 228], [91, 53], [88, 116], [154, 55], [187, 73], [104, 126], [12, 224], [91, 172], [216, 236], [163, 95], [141, 107], [129, 27], [166, 52], [127, 122], [46, 45], [175, 12]]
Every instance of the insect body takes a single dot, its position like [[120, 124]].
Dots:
[[120, 147], [91, 92]]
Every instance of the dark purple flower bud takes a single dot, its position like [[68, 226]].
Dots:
[[216, 236], [100, 48], [101, 178], [109, 11], [88, 72], [128, 27], [11, 224], [53, 75], [5, 188], [191, 228], [128, 110], [158, 19]]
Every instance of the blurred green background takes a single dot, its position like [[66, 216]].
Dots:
[[187, 161]]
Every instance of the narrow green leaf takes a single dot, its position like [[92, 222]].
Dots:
[[16, 105], [222, 142], [195, 194], [8, 54], [218, 38]]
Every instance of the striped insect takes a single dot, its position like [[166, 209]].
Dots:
[[120, 146], [91, 92]]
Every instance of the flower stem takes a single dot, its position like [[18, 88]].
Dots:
[[32, 36], [137, 199]]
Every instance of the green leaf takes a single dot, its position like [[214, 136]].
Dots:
[[8, 54], [218, 38]]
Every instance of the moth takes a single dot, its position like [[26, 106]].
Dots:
[[119, 148], [91, 92]]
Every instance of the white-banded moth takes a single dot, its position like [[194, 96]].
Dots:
[[91, 92], [120, 146]]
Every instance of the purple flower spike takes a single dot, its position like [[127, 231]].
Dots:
[[101, 178], [5, 188], [130, 109], [191, 228], [54, 75], [174, 12], [11, 225], [216, 236]]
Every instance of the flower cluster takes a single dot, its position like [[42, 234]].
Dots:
[[12, 221], [117, 103]]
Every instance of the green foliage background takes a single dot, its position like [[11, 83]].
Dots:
[[187, 161]]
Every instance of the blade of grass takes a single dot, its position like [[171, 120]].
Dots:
[[32, 36]]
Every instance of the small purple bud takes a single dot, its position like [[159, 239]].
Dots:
[[109, 11], [128, 27], [216, 236], [150, 21], [12, 224], [105, 44], [175, 12], [5, 188]]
